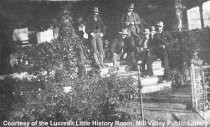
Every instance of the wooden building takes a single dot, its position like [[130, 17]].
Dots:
[[37, 14]]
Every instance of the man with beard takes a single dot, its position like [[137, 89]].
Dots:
[[96, 29], [162, 44], [143, 49], [131, 21], [119, 47]]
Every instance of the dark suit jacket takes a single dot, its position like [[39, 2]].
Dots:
[[95, 26], [163, 38], [116, 46], [133, 18]]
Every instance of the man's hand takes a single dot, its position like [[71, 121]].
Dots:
[[124, 56], [114, 54], [101, 35], [122, 44], [85, 35], [141, 49], [92, 34], [127, 23], [132, 23], [163, 46]]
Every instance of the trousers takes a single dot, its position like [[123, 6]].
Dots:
[[163, 54], [98, 52]]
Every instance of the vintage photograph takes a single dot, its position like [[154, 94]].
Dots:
[[105, 63]]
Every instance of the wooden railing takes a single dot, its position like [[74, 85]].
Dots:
[[200, 84]]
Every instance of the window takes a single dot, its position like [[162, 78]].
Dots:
[[206, 13], [193, 17]]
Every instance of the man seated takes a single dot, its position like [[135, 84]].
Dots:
[[119, 47], [161, 47], [143, 51]]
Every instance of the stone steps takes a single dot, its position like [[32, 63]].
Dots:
[[147, 81], [151, 88], [150, 84], [194, 117], [158, 70]]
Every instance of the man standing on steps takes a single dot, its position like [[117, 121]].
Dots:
[[119, 47], [131, 21], [162, 41], [96, 29]]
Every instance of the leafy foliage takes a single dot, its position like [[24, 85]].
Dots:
[[86, 100], [188, 43], [64, 54]]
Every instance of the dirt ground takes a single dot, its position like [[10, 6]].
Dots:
[[165, 109]]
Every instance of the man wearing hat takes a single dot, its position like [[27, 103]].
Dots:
[[153, 32], [120, 46], [143, 49], [162, 41], [96, 29], [131, 20]]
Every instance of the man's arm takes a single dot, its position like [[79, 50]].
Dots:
[[123, 20], [88, 26], [157, 41], [169, 41], [103, 27], [169, 37], [150, 44], [166, 38], [113, 45], [137, 19]]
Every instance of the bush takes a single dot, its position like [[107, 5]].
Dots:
[[70, 100], [64, 54], [187, 44]]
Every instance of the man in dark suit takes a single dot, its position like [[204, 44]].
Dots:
[[131, 21], [162, 44], [142, 51], [120, 47], [96, 29]]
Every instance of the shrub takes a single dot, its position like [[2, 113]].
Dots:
[[85, 100], [187, 44]]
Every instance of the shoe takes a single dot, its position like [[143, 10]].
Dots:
[[161, 80]]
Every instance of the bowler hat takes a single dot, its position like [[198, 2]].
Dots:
[[95, 10], [124, 32], [146, 31], [160, 23], [131, 6]]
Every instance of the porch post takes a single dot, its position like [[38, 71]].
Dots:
[[201, 13], [1, 57], [178, 15]]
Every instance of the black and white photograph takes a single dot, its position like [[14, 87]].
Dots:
[[105, 63]]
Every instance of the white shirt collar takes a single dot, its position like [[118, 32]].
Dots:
[[129, 13]]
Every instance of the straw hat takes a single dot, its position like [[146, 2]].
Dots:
[[124, 32], [146, 31], [160, 23]]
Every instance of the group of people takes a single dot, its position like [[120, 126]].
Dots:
[[132, 43]]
